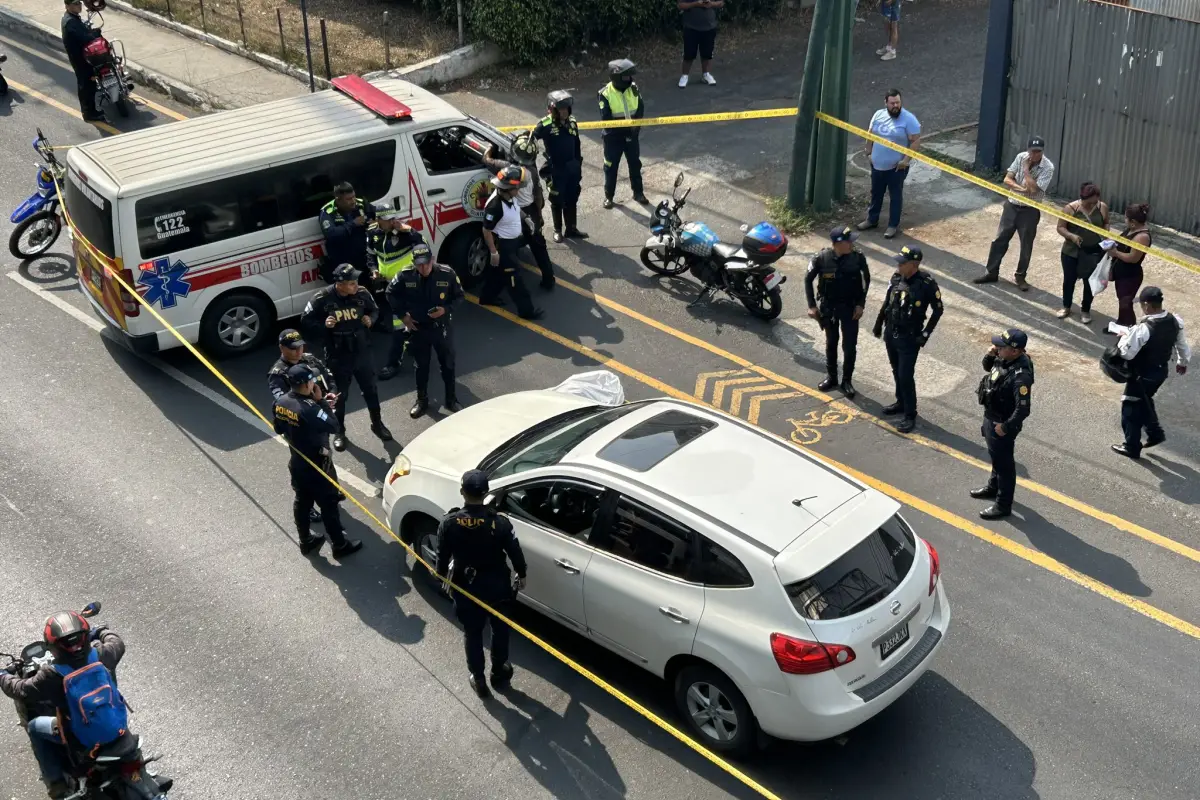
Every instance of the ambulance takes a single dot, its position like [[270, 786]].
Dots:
[[214, 220]]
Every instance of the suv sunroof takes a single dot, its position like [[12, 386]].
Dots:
[[649, 442]]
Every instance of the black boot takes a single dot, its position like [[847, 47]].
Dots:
[[893, 408], [380, 430], [984, 493], [827, 384], [501, 677], [906, 425], [419, 408], [995, 511], [480, 687], [311, 545], [347, 547], [339, 441], [389, 372], [571, 220], [452, 405], [848, 389]]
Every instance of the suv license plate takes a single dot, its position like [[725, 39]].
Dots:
[[893, 641], [773, 280]]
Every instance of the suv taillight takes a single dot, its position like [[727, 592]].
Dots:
[[935, 567], [800, 657], [129, 304]]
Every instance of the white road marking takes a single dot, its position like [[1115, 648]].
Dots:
[[346, 477], [13, 506]]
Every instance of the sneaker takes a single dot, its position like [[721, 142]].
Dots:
[[881, 50], [683, 79], [890, 233], [889, 55], [1085, 318], [866, 225], [1063, 313], [709, 79]]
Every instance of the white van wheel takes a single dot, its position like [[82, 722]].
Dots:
[[468, 254], [235, 324]]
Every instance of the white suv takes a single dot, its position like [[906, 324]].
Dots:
[[772, 592]]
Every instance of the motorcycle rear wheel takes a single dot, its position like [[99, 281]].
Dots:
[[657, 261], [45, 238], [764, 304], [122, 105]]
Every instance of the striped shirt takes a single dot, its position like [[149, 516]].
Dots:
[[1042, 172]]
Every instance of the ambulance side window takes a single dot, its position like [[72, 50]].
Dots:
[[452, 149], [205, 214], [305, 186]]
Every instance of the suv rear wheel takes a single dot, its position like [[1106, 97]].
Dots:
[[715, 710], [235, 324]]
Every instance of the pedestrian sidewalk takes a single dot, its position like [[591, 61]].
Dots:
[[188, 70]]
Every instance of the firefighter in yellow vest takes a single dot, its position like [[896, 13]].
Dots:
[[389, 251], [621, 99]]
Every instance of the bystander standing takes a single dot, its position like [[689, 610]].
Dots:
[[890, 9], [1030, 174], [1081, 250], [699, 36], [889, 168], [1127, 272]]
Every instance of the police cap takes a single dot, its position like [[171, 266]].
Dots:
[[1013, 337], [475, 482], [291, 339], [908, 253], [345, 272], [842, 233], [300, 375], [560, 98], [1150, 294], [387, 213], [421, 254]]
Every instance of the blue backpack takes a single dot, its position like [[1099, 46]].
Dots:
[[95, 709]]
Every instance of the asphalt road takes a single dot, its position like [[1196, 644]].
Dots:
[[1067, 672]]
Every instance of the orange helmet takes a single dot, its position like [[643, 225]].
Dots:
[[511, 177]]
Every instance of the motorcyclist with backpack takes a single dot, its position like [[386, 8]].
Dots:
[[85, 661]]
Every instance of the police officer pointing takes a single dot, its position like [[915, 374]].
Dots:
[[390, 246], [341, 314], [303, 418], [344, 222], [1004, 393], [621, 99], [559, 133], [901, 322], [842, 278], [421, 297], [478, 540]]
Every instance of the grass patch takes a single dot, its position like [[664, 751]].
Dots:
[[798, 223]]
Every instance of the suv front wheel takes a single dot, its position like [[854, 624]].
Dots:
[[715, 710]]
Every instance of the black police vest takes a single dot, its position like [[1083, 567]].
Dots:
[[906, 309], [1156, 353], [839, 278], [480, 549], [995, 392], [348, 312]]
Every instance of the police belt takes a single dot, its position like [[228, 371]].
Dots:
[[344, 342]]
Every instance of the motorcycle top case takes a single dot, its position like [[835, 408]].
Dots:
[[764, 243], [698, 239], [97, 712], [96, 51]]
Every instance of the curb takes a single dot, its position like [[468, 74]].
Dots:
[[177, 91]]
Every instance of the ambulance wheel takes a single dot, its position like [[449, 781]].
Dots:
[[235, 324], [468, 254]]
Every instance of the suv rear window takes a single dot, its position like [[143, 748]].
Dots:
[[859, 579], [649, 442], [91, 213]]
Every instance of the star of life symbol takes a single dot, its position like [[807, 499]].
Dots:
[[164, 282]]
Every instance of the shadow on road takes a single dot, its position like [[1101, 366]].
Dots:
[[1069, 549]]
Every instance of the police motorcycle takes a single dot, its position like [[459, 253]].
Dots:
[[114, 771], [37, 219], [744, 273], [107, 59]]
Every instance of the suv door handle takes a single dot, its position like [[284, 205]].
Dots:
[[432, 192], [567, 565], [673, 614]]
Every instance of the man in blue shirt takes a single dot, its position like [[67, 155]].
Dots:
[[889, 168]]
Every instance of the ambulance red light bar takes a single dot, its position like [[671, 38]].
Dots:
[[375, 99]]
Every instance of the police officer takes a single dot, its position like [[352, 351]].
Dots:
[[344, 223], [1004, 393], [76, 34], [1148, 347], [478, 540], [842, 278], [390, 246], [559, 133], [302, 416], [910, 294], [530, 198], [503, 227], [621, 99], [342, 314], [421, 297]]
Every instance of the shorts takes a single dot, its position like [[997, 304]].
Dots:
[[890, 10], [701, 41]]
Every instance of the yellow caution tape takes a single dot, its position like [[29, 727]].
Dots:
[[1002, 190], [712, 757], [687, 119]]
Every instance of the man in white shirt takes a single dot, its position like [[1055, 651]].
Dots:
[[1030, 174], [1148, 347], [503, 229]]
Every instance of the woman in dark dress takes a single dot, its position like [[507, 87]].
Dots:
[[1127, 262]]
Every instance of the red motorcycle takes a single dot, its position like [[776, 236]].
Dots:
[[107, 60]]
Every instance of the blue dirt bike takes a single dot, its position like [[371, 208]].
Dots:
[[38, 219]]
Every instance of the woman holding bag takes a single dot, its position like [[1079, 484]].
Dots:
[[1127, 262], [1081, 250]]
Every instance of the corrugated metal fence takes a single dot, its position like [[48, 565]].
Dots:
[[1181, 9], [1116, 94]]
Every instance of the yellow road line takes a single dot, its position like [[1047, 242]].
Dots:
[[159, 108], [50, 101], [1123, 525]]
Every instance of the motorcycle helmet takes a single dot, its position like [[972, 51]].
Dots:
[[525, 150], [560, 98], [622, 71], [509, 178], [95, 5], [67, 632]]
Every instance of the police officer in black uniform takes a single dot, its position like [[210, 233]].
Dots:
[[558, 132], [842, 278], [344, 223], [911, 293], [478, 541], [1004, 393], [342, 315], [303, 418], [422, 296]]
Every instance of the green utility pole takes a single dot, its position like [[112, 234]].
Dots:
[[810, 90], [829, 178]]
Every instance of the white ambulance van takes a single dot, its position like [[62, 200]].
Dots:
[[214, 219]]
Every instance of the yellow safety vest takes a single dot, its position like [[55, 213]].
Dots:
[[624, 103]]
